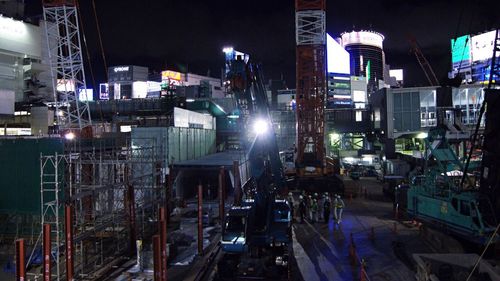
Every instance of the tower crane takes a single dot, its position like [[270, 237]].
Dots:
[[314, 170]]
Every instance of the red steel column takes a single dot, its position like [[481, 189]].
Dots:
[[68, 224], [46, 252], [200, 219], [20, 263], [163, 243], [222, 187], [131, 218], [156, 258]]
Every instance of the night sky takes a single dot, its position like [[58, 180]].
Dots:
[[189, 35]]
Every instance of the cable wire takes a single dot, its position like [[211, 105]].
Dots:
[[100, 40], [482, 254]]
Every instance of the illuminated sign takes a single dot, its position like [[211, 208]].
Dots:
[[85, 94], [9, 26], [362, 37], [103, 91], [396, 73], [460, 49], [170, 75], [338, 59], [482, 46], [153, 86], [64, 85], [121, 69]]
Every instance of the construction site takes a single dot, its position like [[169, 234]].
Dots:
[[172, 175]]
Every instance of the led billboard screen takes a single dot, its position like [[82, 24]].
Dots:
[[338, 60], [460, 49], [482, 46]]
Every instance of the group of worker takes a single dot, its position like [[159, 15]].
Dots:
[[317, 207]]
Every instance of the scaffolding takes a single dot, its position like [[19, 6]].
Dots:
[[114, 194]]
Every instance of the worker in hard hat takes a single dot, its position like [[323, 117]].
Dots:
[[314, 210], [338, 208], [302, 208], [291, 204], [321, 202], [326, 209], [309, 207]]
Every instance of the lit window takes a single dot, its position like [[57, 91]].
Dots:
[[359, 116]]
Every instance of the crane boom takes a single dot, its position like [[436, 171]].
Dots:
[[423, 62]]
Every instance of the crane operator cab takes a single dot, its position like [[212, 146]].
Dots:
[[236, 227]]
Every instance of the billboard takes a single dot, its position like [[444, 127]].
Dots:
[[338, 59], [482, 46], [397, 74], [85, 94], [104, 91], [460, 49], [20, 38]]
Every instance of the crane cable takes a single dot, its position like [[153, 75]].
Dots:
[[468, 31], [100, 40], [482, 254]]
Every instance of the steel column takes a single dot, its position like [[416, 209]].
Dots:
[[46, 252], [222, 187], [162, 225], [200, 219], [20, 263], [157, 258], [131, 218], [237, 184], [68, 225]]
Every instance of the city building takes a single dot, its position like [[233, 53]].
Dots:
[[366, 55]]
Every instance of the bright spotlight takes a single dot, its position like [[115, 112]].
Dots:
[[227, 50], [69, 136], [260, 127]]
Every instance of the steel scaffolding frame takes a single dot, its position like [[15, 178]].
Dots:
[[66, 63], [95, 184]]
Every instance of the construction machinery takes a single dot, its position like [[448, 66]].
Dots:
[[314, 170], [460, 197], [437, 198], [257, 228]]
